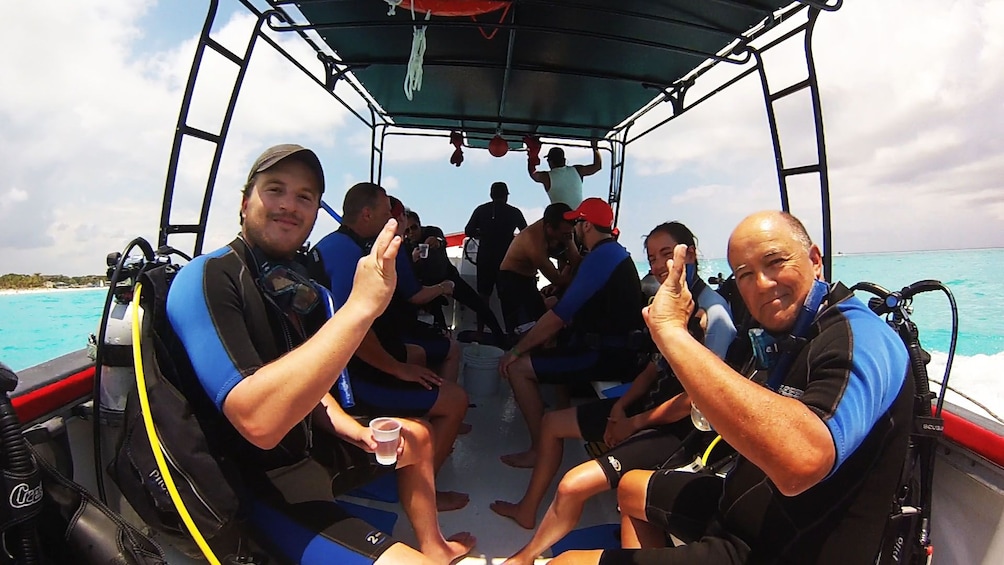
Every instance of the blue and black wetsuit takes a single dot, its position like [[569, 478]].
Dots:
[[602, 307], [230, 330], [854, 374], [376, 392]]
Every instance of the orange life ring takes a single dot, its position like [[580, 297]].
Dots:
[[453, 7]]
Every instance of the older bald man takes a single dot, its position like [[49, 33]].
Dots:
[[822, 433]]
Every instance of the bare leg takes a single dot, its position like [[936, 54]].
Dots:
[[578, 557], [416, 354], [449, 370], [632, 494], [416, 485], [445, 416], [526, 389], [576, 487], [556, 426]]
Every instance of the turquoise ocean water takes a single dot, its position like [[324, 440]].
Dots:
[[38, 326], [975, 277]]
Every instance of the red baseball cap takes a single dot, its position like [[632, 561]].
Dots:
[[593, 210]]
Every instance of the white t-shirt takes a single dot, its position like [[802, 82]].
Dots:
[[566, 186]]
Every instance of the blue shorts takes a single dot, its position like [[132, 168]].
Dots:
[[391, 397], [436, 347], [565, 365]]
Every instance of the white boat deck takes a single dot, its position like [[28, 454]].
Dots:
[[474, 468]]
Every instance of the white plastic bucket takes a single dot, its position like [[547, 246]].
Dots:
[[481, 369]]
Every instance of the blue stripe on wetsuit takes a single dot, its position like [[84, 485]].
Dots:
[[189, 315], [594, 272], [879, 364], [340, 255]]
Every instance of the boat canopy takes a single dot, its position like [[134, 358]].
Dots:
[[568, 69], [564, 70]]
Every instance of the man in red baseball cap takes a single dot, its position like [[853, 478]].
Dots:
[[595, 211], [596, 324]]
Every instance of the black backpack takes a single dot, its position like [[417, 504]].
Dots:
[[209, 485]]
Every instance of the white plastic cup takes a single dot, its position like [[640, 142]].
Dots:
[[700, 422], [423, 250], [387, 433]]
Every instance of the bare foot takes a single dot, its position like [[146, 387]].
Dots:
[[456, 546], [524, 460], [449, 500], [465, 428], [514, 511], [518, 559]]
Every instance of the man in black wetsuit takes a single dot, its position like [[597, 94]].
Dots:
[[494, 224], [266, 354], [436, 267], [821, 434]]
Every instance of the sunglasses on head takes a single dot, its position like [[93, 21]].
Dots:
[[291, 288]]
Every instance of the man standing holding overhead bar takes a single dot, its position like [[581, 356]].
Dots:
[[563, 183]]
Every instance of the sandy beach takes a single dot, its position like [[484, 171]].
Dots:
[[9, 291]]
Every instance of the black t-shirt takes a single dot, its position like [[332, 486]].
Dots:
[[493, 223]]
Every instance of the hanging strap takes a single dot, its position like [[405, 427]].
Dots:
[[413, 78]]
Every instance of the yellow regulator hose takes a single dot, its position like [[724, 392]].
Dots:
[[151, 433]]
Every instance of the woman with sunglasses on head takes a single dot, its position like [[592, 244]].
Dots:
[[646, 428]]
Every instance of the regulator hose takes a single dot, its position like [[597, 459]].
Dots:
[[21, 539]]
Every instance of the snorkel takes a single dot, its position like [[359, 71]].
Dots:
[[344, 386]]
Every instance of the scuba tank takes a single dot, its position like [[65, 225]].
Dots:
[[117, 374], [115, 342]]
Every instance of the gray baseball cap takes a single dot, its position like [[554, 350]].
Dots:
[[277, 153]]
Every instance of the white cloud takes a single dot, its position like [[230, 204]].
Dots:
[[912, 104], [912, 99]]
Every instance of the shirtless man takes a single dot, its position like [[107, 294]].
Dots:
[[531, 251]]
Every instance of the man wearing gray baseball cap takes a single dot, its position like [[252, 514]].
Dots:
[[266, 349]]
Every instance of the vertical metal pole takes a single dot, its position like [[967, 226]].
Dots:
[[200, 237], [179, 130], [618, 154], [824, 177], [772, 122]]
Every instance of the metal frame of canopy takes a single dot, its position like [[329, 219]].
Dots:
[[672, 65]]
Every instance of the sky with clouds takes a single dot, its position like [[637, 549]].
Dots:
[[91, 91]]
